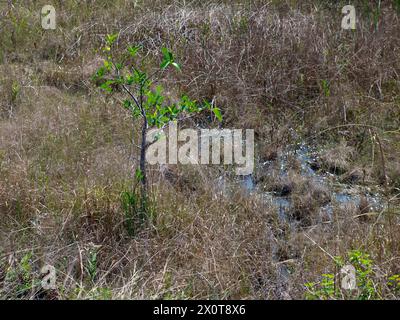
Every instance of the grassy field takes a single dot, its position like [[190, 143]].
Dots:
[[283, 68]]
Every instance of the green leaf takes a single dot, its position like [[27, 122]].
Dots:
[[163, 120], [133, 50], [207, 105], [165, 64], [168, 58], [106, 85], [127, 104], [110, 38], [176, 65], [167, 54], [101, 71], [129, 79], [99, 74], [217, 113], [107, 65], [139, 77], [139, 175], [188, 105]]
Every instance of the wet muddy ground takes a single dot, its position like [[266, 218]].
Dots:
[[301, 164], [335, 192]]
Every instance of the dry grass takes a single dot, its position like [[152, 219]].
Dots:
[[285, 69]]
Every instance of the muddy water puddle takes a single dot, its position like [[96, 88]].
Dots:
[[340, 194]]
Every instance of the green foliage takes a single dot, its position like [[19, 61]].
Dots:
[[326, 88], [127, 72], [139, 175], [100, 294], [363, 264], [135, 214], [217, 113], [394, 283], [366, 289], [137, 210], [21, 278], [396, 5], [91, 266], [168, 59], [372, 11], [110, 39], [15, 90], [324, 290], [95, 293], [144, 98], [134, 50]]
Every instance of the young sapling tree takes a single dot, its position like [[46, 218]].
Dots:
[[144, 99]]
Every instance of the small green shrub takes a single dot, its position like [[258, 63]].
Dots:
[[135, 217], [92, 264], [128, 73], [21, 279], [329, 288], [324, 290], [394, 283]]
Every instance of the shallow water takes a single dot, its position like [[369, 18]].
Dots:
[[342, 194], [248, 183]]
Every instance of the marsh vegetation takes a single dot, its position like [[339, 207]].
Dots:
[[324, 104]]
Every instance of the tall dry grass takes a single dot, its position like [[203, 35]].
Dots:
[[283, 68]]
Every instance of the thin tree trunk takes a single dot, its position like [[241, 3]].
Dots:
[[143, 158], [143, 154]]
